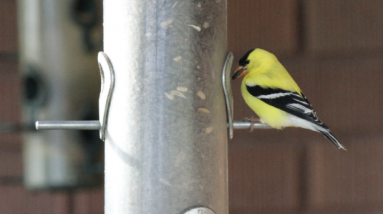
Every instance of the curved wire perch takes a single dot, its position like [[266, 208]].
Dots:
[[107, 86], [227, 92]]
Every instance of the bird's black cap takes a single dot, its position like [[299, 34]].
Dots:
[[243, 61]]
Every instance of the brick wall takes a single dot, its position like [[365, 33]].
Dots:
[[333, 49]]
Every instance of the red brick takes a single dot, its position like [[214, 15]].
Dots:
[[268, 24], [11, 164], [10, 95], [263, 178], [341, 182], [14, 199], [10, 102], [343, 25], [344, 92], [8, 26], [89, 201]]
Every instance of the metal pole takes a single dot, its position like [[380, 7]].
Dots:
[[166, 137]]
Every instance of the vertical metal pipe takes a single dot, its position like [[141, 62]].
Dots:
[[166, 140]]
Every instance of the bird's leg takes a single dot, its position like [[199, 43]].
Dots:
[[252, 121]]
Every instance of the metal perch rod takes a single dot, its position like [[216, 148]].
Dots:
[[95, 125], [61, 125]]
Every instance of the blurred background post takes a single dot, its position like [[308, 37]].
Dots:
[[61, 81]]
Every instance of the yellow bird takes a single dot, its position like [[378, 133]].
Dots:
[[274, 96]]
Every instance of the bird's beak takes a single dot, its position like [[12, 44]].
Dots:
[[239, 72]]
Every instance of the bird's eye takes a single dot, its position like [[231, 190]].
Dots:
[[247, 61]]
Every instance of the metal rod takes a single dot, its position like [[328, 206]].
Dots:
[[95, 125], [61, 125], [247, 125]]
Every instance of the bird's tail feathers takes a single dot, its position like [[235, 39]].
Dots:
[[332, 138]]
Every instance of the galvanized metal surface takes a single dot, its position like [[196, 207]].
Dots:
[[166, 141]]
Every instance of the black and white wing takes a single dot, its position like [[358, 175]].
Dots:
[[288, 101]]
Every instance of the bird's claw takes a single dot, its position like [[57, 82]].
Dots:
[[252, 121]]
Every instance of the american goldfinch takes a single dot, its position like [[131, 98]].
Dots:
[[274, 96]]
